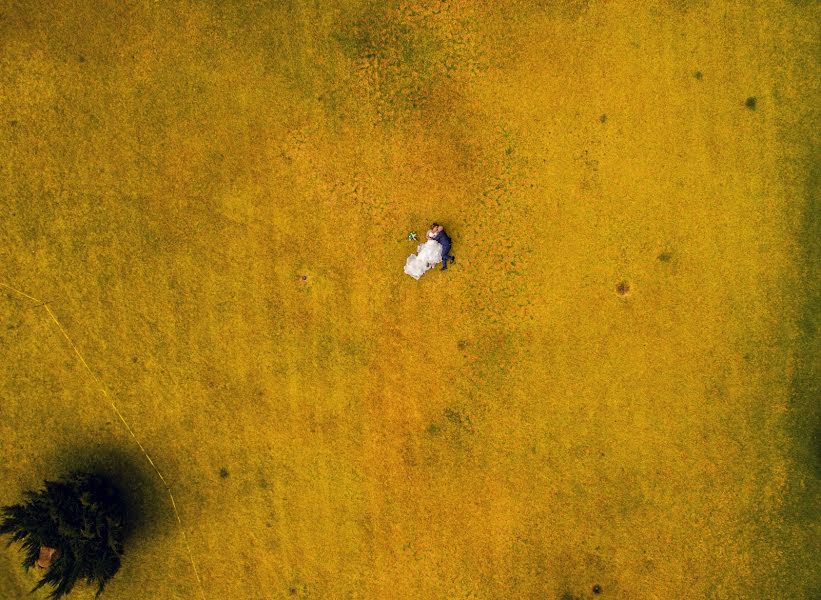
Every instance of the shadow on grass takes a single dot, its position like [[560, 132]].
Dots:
[[146, 504]]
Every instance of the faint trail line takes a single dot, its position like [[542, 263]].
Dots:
[[124, 422], [19, 292]]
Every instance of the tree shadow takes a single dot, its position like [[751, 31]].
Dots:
[[145, 500]]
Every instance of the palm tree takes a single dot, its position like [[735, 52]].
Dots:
[[73, 528]]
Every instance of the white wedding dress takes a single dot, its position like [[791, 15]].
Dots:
[[427, 255]]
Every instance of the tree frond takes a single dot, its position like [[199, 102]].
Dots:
[[81, 516]]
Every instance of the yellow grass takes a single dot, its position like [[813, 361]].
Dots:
[[213, 199]]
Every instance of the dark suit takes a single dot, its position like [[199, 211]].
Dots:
[[444, 239]]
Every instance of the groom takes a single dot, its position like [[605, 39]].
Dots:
[[444, 239]]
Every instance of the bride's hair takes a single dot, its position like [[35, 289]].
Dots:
[[434, 225]]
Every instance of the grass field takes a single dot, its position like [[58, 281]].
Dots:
[[616, 385]]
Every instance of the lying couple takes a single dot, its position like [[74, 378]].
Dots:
[[433, 251]]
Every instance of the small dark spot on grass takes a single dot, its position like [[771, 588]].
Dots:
[[751, 102], [81, 59], [665, 257], [263, 484], [453, 416], [603, 119], [303, 278], [433, 429], [13, 123], [623, 288], [133, 359], [292, 591], [223, 473], [698, 75], [597, 589], [461, 344], [568, 596], [509, 151], [458, 419]]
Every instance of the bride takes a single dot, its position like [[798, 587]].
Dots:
[[427, 255]]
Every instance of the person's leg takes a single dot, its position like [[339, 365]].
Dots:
[[446, 257]]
